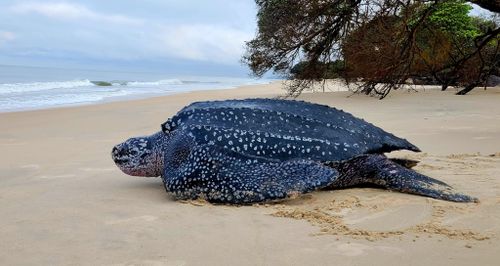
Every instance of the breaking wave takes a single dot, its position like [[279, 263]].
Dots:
[[39, 95], [157, 83], [8, 88]]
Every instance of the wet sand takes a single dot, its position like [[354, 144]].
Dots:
[[63, 201]]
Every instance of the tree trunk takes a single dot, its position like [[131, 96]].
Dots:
[[467, 89]]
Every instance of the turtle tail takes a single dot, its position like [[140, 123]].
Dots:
[[378, 170]]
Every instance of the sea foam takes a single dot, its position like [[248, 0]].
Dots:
[[40, 95], [8, 88]]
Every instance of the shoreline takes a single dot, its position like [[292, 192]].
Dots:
[[273, 86], [128, 98], [65, 202]]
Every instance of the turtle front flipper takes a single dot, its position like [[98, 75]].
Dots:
[[220, 175], [384, 172]]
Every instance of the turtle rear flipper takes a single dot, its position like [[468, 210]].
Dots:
[[384, 172], [224, 176]]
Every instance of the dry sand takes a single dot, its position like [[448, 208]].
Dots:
[[63, 202]]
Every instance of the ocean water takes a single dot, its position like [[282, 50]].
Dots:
[[29, 88]]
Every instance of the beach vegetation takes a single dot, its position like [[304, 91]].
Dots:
[[378, 46]]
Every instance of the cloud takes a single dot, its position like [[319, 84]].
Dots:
[[70, 11], [160, 31], [479, 11], [203, 42], [6, 36]]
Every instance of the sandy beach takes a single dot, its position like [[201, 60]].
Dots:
[[64, 202]]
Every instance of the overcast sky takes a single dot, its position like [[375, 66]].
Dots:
[[176, 35], [126, 34]]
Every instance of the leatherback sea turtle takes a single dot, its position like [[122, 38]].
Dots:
[[253, 150]]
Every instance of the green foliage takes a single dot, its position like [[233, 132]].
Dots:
[[449, 33], [330, 70], [452, 17]]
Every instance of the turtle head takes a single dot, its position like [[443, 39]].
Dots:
[[140, 156]]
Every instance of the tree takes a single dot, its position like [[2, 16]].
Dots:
[[400, 35]]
